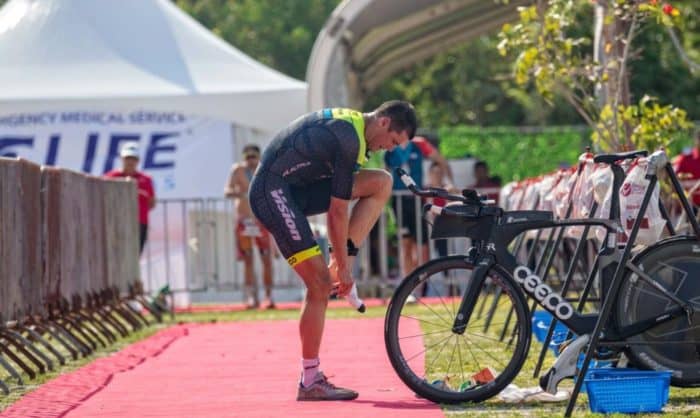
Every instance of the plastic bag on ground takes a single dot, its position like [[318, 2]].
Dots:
[[515, 394]]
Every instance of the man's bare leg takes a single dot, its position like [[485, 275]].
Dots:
[[373, 188], [249, 277], [317, 279], [315, 386], [266, 257], [409, 255]]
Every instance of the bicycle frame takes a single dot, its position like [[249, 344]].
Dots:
[[495, 230], [496, 253]]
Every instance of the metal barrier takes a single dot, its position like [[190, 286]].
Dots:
[[192, 249]]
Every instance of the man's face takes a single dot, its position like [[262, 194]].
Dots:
[[251, 158], [130, 164], [383, 138]]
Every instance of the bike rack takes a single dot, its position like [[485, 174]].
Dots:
[[565, 288], [606, 309]]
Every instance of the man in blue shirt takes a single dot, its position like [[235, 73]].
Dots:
[[410, 157]]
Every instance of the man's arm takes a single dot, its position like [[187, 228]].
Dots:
[[442, 162], [232, 189], [347, 148], [432, 153], [152, 194], [337, 221]]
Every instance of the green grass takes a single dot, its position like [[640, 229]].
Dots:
[[683, 402]]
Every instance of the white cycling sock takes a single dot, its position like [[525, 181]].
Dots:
[[309, 370]]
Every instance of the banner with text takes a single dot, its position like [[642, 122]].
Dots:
[[187, 157]]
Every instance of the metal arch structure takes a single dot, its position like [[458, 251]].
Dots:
[[364, 42]]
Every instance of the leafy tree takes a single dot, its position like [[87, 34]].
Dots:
[[558, 62], [470, 84], [278, 34]]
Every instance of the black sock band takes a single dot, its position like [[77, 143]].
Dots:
[[352, 250]]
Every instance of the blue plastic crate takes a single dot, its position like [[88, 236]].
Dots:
[[593, 365], [627, 390]]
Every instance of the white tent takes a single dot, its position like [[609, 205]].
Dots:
[[75, 76], [134, 54]]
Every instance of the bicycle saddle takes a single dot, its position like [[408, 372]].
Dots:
[[613, 158]]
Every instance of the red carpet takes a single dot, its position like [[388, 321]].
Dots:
[[235, 307], [242, 369], [333, 304]]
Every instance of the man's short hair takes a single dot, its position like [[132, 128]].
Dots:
[[251, 148], [402, 115], [480, 164]]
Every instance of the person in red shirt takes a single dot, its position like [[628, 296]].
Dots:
[[687, 166], [147, 197]]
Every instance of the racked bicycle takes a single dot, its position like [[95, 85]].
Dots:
[[437, 346]]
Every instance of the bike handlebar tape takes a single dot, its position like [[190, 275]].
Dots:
[[405, 178], [436, 210]]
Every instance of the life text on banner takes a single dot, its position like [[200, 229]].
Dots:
[[186, 156]]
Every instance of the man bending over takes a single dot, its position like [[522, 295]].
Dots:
[[313, 167]]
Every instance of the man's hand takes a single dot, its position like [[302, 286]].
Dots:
[[341, 278]]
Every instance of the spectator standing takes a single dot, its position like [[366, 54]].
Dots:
[[129, 154], [249, 229], [436, 178], [410, 157], [687, 166]]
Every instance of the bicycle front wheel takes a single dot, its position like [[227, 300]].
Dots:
[[673, 345], [448, 367]]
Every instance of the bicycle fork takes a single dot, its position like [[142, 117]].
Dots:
[[470, 297]]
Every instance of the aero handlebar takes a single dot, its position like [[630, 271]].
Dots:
[[468, 196]]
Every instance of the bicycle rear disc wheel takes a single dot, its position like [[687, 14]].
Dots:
[[673, 345], [439, 364]]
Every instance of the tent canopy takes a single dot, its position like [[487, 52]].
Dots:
[[366, 41], [134, 55]]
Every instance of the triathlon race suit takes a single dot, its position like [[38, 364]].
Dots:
[[311, 160]]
